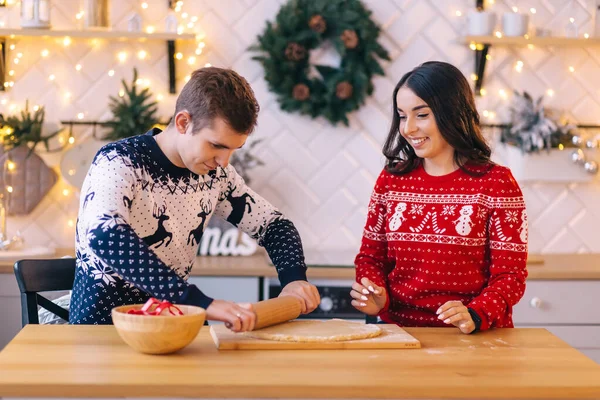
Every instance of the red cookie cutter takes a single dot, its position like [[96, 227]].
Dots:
[[160, 306]]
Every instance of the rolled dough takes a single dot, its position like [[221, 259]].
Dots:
[[335, 330]]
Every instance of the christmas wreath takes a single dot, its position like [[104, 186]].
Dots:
[[304, 25]]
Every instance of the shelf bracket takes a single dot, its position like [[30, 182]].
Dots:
[[480, 56], [2, 63], [171, 57], [480, 61]]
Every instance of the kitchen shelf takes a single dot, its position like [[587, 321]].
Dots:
[[95, 34], [108, 34], [547, 41], [483, 44]]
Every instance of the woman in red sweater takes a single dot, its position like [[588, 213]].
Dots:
[[445, 243]]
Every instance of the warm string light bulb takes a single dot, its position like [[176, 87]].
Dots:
[[519, 66], [65, 192], [79, 116], [45, 53], [11, 166], [67, 41], [150, 29], [142, 54], [71, 138], [9, 189], [111, 72], [458, 13], [122, 56], [550, 92], [144, 5], [78, 67]]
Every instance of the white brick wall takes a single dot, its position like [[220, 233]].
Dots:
[[319, 175]]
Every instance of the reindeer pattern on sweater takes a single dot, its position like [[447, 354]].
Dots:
[[142, 218]]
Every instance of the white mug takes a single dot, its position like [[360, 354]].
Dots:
[[515, 24], [481, 23]]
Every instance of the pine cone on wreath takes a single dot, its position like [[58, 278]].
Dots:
[[343, 90], [301, 92], [350, 38], [295, 52], [317, 23]]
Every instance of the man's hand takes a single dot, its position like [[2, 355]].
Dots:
[[237, 317], [306, 292], [368, 297], [455, 313]]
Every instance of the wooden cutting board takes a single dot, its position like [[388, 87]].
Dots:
[[392, 337]]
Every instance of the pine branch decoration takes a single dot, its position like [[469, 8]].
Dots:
[[133, 113]]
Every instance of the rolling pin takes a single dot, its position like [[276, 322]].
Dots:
[[277, 310]]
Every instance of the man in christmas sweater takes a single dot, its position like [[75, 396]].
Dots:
[[147, 200], [445, 243]]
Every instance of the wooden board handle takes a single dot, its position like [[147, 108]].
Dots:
[[277, 310]]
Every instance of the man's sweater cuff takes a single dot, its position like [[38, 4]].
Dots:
[[293, 274]]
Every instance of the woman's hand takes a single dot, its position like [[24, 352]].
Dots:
[[368, 297], [455, 313]]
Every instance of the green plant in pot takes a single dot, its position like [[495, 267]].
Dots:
[[133, 113], [25, 178], [25, 129], [532, 128]]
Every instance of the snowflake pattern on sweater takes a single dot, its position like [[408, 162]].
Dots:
[[429, 240], [141, 219]]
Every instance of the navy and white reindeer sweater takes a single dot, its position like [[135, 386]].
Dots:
[[140, 222]]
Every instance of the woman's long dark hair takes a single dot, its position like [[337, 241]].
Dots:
[[446, 91]]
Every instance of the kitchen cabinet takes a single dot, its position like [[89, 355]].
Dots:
[[570, 309]]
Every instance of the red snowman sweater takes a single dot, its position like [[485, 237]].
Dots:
[[432, 239]]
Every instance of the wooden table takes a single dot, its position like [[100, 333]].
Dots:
[[92, 361]]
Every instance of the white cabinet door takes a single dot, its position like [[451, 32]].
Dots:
[[10, 308], [240, 290], [559, 302]]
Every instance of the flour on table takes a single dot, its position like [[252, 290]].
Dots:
[[335, 330]]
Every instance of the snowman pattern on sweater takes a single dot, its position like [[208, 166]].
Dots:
[[461, 238]]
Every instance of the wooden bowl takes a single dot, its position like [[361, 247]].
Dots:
[[158, 334]]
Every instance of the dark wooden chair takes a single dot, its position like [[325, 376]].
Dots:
[[34, 276]]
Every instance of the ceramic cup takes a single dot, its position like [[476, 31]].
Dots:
[[515, 24], [481, 23]]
